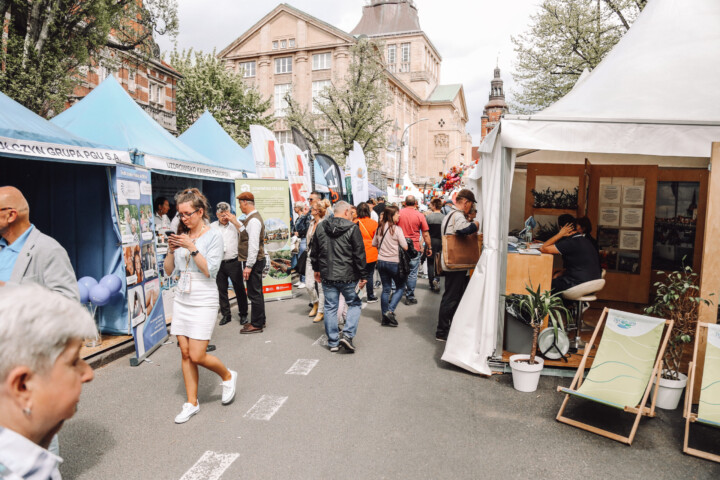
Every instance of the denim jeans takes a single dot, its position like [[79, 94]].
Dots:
[[303, 246], [388, 274], [332, 301], [412, 278]]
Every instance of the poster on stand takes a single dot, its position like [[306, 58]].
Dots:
[[272, 201], [146, 315]]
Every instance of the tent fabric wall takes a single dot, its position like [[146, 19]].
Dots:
[[473, 336], [70, 202]]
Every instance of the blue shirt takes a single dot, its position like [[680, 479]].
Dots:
[[10, 253]]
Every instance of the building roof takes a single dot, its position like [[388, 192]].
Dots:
[[445, 93], [382, 17]]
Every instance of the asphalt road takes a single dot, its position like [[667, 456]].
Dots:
[[393, 410]]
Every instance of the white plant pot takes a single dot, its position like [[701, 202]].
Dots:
[[670, 391], [525, 376]]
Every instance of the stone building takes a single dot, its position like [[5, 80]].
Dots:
[[289, 50], [496, 106]]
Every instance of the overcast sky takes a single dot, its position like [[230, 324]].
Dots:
[[469, 34]]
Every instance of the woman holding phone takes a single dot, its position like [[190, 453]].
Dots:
[[196, 252]]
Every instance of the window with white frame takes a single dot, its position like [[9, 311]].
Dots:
[[283, 136], [317, 88], [283, 65], [405, 57], [247, 69], [321, 61], [275, 45], [156, 93], [391, 57], [281, 104], [291, 43], [324, 135], [283, 43]]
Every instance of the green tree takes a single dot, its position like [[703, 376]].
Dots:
[[564, 38], [47, 40], [352, 108], [208, 85]]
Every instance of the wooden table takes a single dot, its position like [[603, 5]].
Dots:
[[528, 270]]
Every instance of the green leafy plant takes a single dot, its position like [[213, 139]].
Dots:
[[561, 199], [537, 305], [677, 298], [546, 231]]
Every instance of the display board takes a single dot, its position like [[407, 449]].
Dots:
[[146, 315], [620, 223], [272, 201]]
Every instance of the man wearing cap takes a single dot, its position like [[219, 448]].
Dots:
[[251, 253], [456, 282]]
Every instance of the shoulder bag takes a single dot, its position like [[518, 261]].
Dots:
[[459, 252], [403, 258]]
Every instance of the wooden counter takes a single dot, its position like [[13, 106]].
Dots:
[[526, 270]]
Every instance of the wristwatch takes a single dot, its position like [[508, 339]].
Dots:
[[192, 254]]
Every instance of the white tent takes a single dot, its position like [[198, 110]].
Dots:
[[654, 98]]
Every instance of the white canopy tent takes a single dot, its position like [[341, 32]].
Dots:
[[654, 98]]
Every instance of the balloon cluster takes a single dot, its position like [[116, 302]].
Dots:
[[99, 293]]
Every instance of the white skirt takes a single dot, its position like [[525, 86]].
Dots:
[[195, 313]]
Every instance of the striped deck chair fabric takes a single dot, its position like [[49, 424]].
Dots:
[[624, 360], [709, 406]]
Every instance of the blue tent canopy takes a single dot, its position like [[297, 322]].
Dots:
[[208, 137], [19, 126], [110, 116]]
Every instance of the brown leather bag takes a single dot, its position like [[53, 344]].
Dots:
[[460, 252]]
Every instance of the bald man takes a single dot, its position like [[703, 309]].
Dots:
[[26, 254]]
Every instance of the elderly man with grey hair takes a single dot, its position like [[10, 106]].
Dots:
[[41, 375], [229, 227], [337, 256]]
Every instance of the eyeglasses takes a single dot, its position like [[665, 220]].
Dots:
[[187, 215]]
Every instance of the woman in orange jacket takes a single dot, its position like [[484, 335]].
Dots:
[[368, 226]]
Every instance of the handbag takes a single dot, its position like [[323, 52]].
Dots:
[[460, 252], [403, 258], [301, 263], [437, 260]]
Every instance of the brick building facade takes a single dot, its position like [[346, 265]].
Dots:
[[496, 106]]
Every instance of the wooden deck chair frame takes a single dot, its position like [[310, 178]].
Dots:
[[639, 410], [689, 416]]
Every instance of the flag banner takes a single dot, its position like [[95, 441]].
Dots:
[[358, 173], [271, 201], [331, 172], [298, 174], [266, 152]]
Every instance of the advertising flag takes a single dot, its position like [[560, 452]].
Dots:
[[298, 173], [331, 172], [267, 153], [358, 174]]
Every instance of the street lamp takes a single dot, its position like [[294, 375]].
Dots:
[[448, 154], [399, 151]]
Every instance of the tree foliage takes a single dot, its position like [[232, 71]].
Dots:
[[208, 85], [564, 38], [47, 40], [352, 108]]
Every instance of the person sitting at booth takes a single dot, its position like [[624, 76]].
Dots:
[[580, 257], [162, 207]]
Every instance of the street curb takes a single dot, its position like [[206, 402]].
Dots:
[[108, 356]]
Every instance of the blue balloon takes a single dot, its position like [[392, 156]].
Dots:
[[99, 295], [112, 282], [89, 282], [84, 293]]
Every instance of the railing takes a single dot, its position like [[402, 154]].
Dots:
[[167, 119]]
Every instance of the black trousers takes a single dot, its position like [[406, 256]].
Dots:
[[233, 270], [255, 294], [455, 285], [370, 269]]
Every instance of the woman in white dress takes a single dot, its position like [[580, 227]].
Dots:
[[196, 252], [318, 212]]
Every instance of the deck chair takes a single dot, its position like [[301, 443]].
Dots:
[[709, 406], [628, 358]]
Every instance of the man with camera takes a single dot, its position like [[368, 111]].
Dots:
[[229, 227]]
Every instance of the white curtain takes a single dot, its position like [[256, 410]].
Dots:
[[473, 335]]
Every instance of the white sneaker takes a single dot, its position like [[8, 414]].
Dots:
[[188, 411], [229, 388], [299, 285]]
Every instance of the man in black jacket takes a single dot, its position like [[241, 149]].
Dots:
[[337, 256]]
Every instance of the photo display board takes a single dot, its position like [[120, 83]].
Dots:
[[620, 222], [146, 315]]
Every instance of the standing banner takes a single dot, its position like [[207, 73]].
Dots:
[[136, 225], [332, 174], [271, 201], [266, 152], [298, 174], [358, 174]]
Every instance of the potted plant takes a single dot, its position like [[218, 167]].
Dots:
[[678, 299], [535, 306]]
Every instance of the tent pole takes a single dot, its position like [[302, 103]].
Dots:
[[506, 178]]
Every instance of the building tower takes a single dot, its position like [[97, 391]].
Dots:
[[496, 106]]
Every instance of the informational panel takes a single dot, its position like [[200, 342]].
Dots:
[[620, 223], [136, 224], [272, 201]]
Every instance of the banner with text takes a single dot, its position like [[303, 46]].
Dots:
[[298, 173], [266, 152], [135, 222], [52, 151], [273, 203]]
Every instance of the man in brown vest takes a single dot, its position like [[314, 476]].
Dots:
[[251, 254]]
